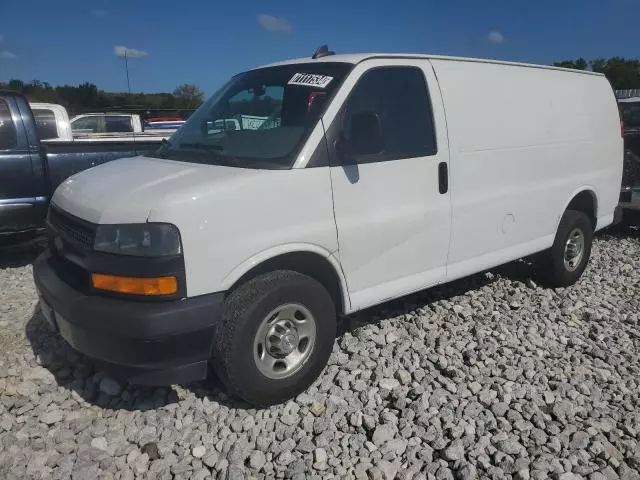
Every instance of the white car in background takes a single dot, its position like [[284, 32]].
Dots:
[[99, 125], [91, 123], [114, 124]]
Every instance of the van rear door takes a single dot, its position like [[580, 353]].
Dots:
[[389, 151]]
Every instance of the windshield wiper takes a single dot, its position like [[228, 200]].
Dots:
[[203, 146], [215, 149], [165, 145]]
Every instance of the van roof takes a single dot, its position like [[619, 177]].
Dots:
[[360, 57]]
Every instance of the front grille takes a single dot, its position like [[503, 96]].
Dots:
[[72, 229], [73, 275]]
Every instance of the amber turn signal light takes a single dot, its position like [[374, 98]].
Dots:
[[135, 285]]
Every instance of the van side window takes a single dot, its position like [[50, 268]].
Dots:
[[45, 123], [399, 98], [8, 134]]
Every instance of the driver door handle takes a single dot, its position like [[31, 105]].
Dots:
[[443, 177]]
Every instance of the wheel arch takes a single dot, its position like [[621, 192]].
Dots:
[[308, 259], [584, 199]]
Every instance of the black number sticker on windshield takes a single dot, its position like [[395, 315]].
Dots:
[[310, 80]]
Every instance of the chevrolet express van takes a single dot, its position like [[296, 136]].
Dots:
[[371, 177]]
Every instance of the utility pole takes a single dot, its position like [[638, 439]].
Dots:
[[126, 67]]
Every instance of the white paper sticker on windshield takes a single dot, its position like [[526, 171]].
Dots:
[[310, 80]]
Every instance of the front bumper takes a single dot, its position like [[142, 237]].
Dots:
[[143, 342]]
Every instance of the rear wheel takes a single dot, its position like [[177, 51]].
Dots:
[[563, 264], [278, 331]]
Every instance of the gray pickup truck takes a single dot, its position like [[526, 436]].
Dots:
[[30, 170]]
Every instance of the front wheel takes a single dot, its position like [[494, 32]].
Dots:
[[277, 333], [563, 264]]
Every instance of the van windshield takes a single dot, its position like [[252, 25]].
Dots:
[[259, 119]]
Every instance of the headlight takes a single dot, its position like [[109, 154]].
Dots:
[[145, 239]]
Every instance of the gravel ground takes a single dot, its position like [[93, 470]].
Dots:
[[489, 377]]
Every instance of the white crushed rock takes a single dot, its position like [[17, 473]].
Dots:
[[489, 377]]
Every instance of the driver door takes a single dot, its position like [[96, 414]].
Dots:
[[389, 149]]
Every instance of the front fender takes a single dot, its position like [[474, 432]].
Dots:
[[254, 261]]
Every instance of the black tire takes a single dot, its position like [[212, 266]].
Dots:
[[245, 309], [551, 264]]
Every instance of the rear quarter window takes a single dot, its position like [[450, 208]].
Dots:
[[45, 123], [117, 124], [8, 133]]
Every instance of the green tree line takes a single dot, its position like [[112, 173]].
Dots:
[[86, 97], [623, 73]]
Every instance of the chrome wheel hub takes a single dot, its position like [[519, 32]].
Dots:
[[281, 340], [574, 250], [284, 341]]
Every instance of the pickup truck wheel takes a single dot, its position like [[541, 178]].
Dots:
[[277, 333], [563, 264]]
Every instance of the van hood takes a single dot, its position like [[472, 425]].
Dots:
[[127, 190]]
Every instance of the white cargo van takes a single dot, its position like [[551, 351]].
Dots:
[[374, 176]]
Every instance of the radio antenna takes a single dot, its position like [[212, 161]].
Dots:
[[126, 69]]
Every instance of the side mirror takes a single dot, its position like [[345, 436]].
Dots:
[[365, 135]]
